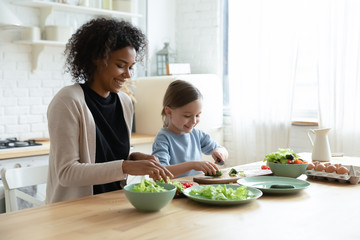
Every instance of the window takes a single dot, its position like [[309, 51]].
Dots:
[[305, 99], [225, 27]]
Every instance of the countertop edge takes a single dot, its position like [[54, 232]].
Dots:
[[136, 138]]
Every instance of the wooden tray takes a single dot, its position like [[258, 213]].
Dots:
[[225, 178]]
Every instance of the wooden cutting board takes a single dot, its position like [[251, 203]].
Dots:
[[225, 178]]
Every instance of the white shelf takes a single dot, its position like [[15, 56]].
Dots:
[[38, 47], [46, 9], [75, 9], [42, 42]]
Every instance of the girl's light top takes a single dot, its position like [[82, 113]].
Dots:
[[172, 148]]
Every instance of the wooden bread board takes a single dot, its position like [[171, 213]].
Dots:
[[225, 178]]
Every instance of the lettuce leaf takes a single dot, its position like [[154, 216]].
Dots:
[[221, 192], [280, 156], [178, 185], [148, 186]]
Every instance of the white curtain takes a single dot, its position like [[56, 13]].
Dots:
[[267, 40], [338, 74], [262, 60]]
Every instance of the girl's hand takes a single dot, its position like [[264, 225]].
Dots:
[[149, 167], [220, 155], [205, 166]]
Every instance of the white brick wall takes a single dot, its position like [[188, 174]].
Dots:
[[198, 39], [25, 95]]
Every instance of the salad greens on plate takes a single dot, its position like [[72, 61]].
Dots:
[[221, 192]]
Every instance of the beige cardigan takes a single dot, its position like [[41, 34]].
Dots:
[[72, 168]]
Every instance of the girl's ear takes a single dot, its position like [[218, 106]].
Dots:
[[168, 111]]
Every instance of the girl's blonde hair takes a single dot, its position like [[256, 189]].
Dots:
[[178, 94]]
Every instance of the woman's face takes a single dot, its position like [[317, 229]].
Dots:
[[110, 76], [185, 118]]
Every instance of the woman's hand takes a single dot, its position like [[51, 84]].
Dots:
[[221, 154], [149, 167], [142, 156]]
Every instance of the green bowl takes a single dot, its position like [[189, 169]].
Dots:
[[288, 170], [150, 201]]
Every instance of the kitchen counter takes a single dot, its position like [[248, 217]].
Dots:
[[325, 210], [136, 138]]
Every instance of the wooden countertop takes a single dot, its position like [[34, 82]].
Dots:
[[136, 138], [325, 210]]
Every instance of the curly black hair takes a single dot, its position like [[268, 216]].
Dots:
[[97, 39]]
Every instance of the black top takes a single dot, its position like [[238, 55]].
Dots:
[[112, 139]]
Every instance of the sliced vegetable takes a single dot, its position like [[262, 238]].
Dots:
[[264, 167], [221, 192], [281, 156], [187, 184], [180, 186], [298, 161], [218, 174], [148, 186], [234, 173]]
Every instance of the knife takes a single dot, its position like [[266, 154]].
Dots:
[[218, 160]]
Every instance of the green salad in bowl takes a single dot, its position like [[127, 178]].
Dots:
[[284, 156], [286, 163], [149, 195]]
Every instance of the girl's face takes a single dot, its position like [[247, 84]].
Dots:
[[185, 118], [110, 76]]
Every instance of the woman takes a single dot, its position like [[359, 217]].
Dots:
[[90, 122]]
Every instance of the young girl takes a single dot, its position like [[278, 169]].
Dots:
[[179, 144]]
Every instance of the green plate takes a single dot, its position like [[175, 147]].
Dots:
[[274, 184], [253, 191]]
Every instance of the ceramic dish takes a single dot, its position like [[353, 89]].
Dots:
[[150, 201], [257, 193], [274, 184]]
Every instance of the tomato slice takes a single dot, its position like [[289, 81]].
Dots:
[[264, 167], [298, 161], [187, 184]]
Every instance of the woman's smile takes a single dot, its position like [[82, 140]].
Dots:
[[111, 76], [119, 82]]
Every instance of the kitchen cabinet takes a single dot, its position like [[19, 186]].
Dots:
[[47, 8]]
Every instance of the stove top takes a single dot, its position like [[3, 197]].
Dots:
[[15, 143]]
